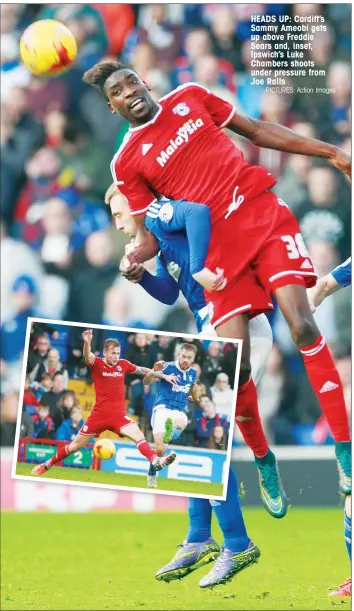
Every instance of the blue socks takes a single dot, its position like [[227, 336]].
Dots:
[[199, 511], [348, 534], [152, 470], [229, 515]]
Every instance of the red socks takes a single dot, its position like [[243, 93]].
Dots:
[[146, 450], [248, 419], [326, 383], [62, 453]]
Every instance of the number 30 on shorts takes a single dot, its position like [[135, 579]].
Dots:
[[295, 246]]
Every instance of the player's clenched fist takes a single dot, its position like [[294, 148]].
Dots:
[[87, 336]]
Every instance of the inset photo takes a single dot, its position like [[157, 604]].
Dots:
[[119, 407]]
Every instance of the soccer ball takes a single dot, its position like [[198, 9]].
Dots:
[[47, 47], [104, 449]]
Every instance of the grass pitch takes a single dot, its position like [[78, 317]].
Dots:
[[108, 561], [123, 480]]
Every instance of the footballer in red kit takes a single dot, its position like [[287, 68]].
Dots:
[[176, 148], [109, 411]]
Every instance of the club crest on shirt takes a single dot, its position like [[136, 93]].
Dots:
[[166, 212], [118, 368], [181, 109]]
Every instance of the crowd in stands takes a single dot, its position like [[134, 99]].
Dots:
[[52, 409], [59, 248]]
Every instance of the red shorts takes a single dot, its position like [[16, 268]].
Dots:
[[96, 423], [262, 235], [245, 296]]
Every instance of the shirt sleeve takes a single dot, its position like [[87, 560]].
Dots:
[[132, 184], [343, 273], [129, 367], [220, 111], [192, 218], [161, 286]]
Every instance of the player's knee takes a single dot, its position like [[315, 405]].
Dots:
[[303, 330]]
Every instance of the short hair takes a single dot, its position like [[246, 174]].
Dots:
[[57, 373], [111, 192], [46, 376], [99, 73], [189, 348], [111, 342]]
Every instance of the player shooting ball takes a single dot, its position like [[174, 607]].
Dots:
[[169, 418], [109, 411]]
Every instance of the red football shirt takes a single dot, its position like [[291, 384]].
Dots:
[[109, 384], [182, 153]]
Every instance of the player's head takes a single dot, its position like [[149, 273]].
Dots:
[[124, 90], [120, 211], [186, 356], [111, 351]]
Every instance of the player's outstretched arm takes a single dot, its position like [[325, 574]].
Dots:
[[274, 136], [158, 375], [337, 279], [88, 355]]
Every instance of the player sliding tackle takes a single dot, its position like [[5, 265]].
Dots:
[[169, 417], [109, 412], [176, 147]]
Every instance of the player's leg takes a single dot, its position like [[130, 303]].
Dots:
[[199, 547], [284, 267], [132, 431], [247, 412], [79, 442], [238, 551], [161, 422], [321, 370]]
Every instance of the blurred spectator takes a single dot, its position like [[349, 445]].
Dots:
[[13, 330], [20, 135], [219, 438], [30, 401], [43, 426], [90, 276], [39, 352], [9, 407], [67, 401], [157, 349], [44, 385], [206, 424], [52, 397], [51, 365], [212, 364], [144, 62], [164, 37], [27, 425], [207, 75], [225, 43], [223, 396], [325, 216], [198, 44], [137, 353], [71, 426], [118, 20]]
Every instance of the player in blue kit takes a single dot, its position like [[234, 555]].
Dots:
[[174, 224], [169, 418], [200, 547], [338, 278]]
